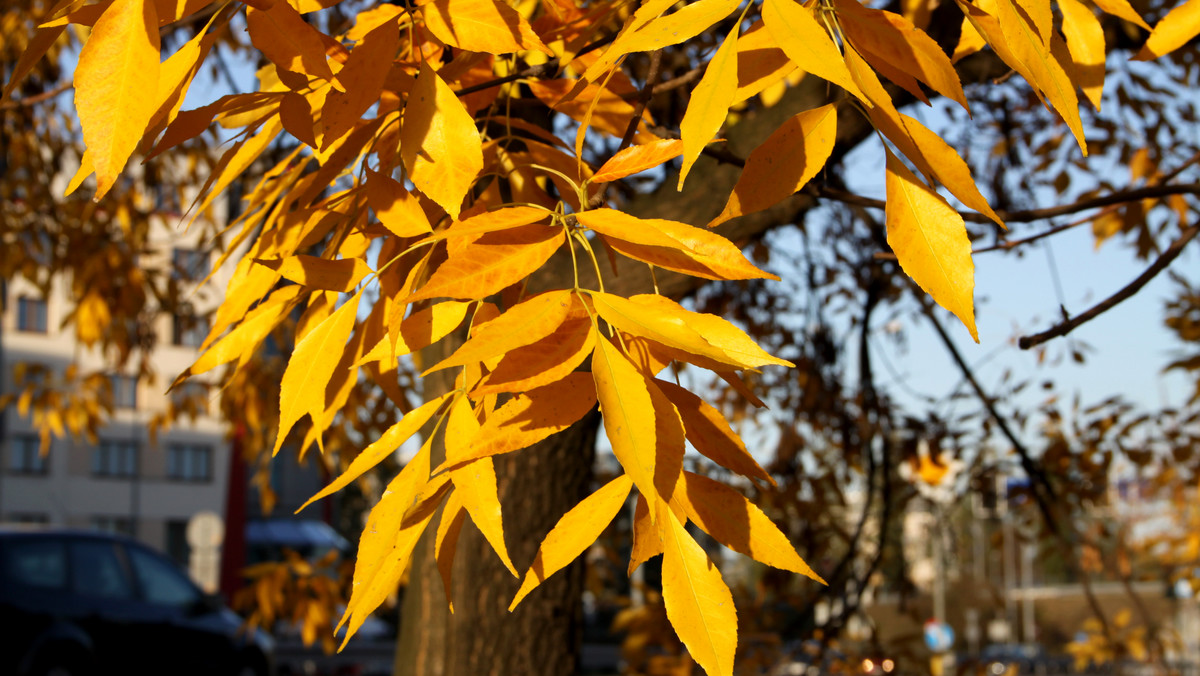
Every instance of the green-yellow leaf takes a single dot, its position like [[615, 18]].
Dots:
[[784, 163], [116, 85], [699, 605], [1175, 29], [806, 43], [930, 241], [439, 144], [739, 524], [310, 367], [709, 103], [574, 533], [381, 448]]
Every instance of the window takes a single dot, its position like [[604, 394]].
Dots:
[[189, 264], [39, 563], [161, 584], [30, 518], [189, 462], [190, 396], [25, 455], [189, 329], [115, 459], [96, 570], [117, 525], [31, 315], [124, 391]]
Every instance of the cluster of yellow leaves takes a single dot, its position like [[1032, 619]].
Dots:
[[303, 594], [409, 177]]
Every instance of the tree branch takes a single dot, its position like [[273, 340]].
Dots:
[[1159, 264], [37, 98]]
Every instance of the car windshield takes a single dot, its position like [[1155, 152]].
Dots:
[[160, 582]]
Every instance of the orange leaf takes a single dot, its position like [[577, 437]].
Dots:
[[609, 112], [526, 322], [678, 246], [439, 144], [574, 533], [930, 241], [628, 414], [761, 63], [546, 361], [399, 210], [711, 435], [784, 163], [699, 605], [480, 26], [342, 274], [116, 83], [290, 42], [638, 158], [310, 367], [453, 517], [494, 221], [475, 482], [647, 543], [528, 418], [419, 330], [362, 76], [806, 43], [709, 103], [491, 263], [739, 524]]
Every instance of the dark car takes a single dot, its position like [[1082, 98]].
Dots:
[[79, 603]]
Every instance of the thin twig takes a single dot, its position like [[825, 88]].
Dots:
[[647, 93], [1159, 264], [37, 98]]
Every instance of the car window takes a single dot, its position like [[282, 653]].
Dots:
[[96, 570], [36, 563], [161, 582]]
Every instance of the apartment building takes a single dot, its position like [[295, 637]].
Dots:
[[126, 482]]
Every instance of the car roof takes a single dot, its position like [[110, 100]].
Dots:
[[22, 531]]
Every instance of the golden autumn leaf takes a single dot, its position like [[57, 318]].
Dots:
[[446, 542], [385, 445], [399, 210], [310, 367], [699, 604], [504, 218], [247, 335], [548, 360], [480, 26], [638, 158], [709, 103], [343, 274], [116, 83], [491, 263], [419, 330], [598, 107], [675, 246], [530, 417], [784, 163], [628, 414], [526, 322], [1173, 31], [806, 43], [475, 483], [363, 77], [574, 533], [1122, 9], [1085, 41], [761, 63], [661, 31], [290, 42], [930, 241], [739, 524], [647, 542], [711, 435], [439, 144]]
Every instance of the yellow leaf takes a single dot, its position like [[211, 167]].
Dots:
[[665, 321], [676, 246], [41, 42], [92, 318], [947, 166], [116, 83], [399, 210], [446, 543], [531, 417], [381, 448], [898, 43], [526, 322], [574, 533], [1122, 9], [930, 241], [1173, 31], [709, 103], [494, 221], [969, 42], [1040, 16], [638, 158], [291, 43], [302, 389], [761, 63], [241, 342], [363, 77], [739, 524], [699, 605], [806, 43], [548, 360], [475, 483], [419, 330], [647, 543], [480, 26], [439, 144], [491, 263], [343, 274], [784, 163], [596, 106], [1085, 41], [711, 435], [628, 414]]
